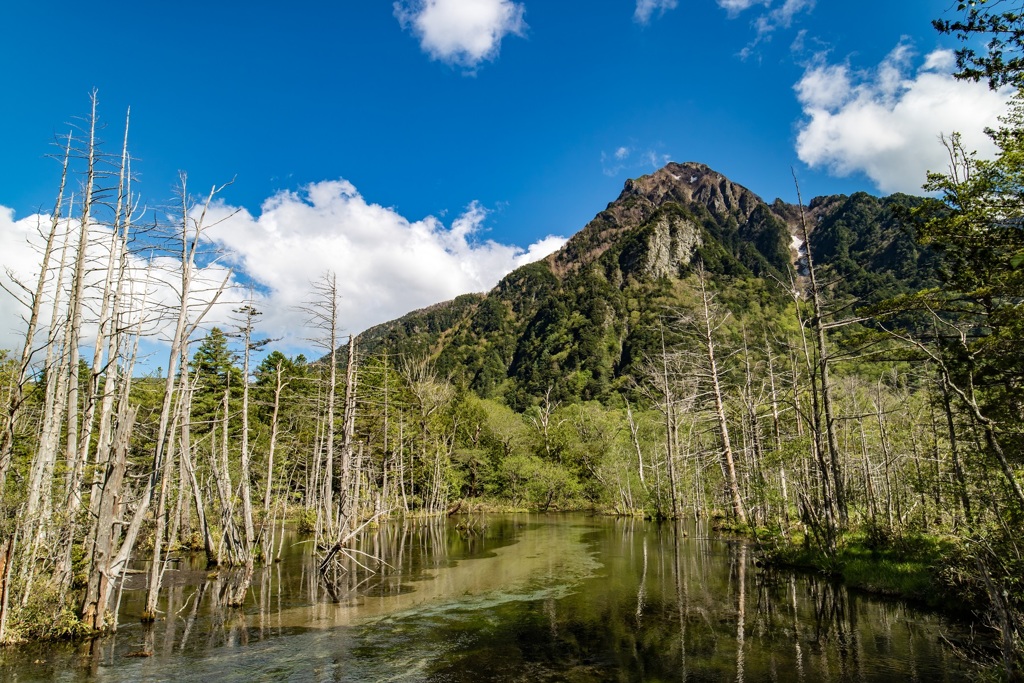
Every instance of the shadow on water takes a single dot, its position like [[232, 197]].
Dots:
[[510, 598]]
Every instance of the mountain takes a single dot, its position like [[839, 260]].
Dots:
[[579, 322]]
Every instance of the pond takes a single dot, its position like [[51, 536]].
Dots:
[[510, 598]]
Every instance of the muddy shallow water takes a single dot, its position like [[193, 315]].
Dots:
[[511, 598]]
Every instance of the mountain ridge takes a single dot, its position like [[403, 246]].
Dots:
[[580, 319]]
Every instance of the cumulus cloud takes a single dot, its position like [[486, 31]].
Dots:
[[461, 32], [386, 265], [646, 8], [16, 244], [886, 122], [150, 291], [540, 249]]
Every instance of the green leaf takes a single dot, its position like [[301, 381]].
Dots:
[[1017, 260]]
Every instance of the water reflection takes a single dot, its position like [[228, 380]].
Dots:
[[513, 598]]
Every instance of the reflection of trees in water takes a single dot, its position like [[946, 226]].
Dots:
[[724, 618], [667, 601], [834, 633], [195, 614]]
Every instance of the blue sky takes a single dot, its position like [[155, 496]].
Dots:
[[425, 147]]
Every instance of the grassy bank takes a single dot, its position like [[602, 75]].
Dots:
[[914, 567]]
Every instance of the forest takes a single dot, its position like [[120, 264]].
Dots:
[[854, 404]]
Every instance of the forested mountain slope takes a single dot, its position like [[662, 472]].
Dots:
[[578, 322]]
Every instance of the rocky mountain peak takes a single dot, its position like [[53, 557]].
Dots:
[[691, 185], [582, 319]]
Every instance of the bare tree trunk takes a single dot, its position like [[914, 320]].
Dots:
[[954, 449], [157, 565], [350, 495], [670, 424], [17, 390], [817, 447], [887, 457], [97, 593], [40, 487], [189, 465], [634, 439], [777, 434], [111, 335], [245, 474], [274, 420], [869, 488], [76, 305], [753, 445], [728, 463], [322, 312], [817, 323], [401, 460], [6, 563], [109, 503], [385, 453], [222, 475], [191, 231], [107, 333]]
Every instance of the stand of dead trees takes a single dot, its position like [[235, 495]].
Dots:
[[775, 419]]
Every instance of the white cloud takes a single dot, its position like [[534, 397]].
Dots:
[[19, 255], [782, 17], [646, 8], [152, 286], [461, 32], [940, 60], [734, 7], [886, 123], [386, 265], [539, 250], [825, 87], [770, 19]]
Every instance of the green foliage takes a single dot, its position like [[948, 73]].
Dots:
[[213, 367], [533, 481], [48, 615], [870, 250], [770, 237], [305, 522], [1001, 62], [975, 227], [909, 567]]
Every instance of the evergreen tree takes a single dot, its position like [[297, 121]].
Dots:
[[214, 370]]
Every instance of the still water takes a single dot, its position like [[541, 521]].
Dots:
[[511, 598]]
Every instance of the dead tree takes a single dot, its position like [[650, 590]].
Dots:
[[707, 325]]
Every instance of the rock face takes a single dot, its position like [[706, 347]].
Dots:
[[581, 320], [693, 183], [706, 195], [671, 243]]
